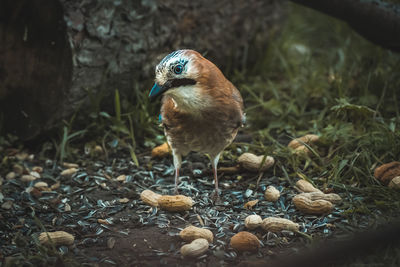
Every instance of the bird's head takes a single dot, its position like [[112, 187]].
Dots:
[[178, 69]]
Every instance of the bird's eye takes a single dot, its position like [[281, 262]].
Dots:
[[178, 69]]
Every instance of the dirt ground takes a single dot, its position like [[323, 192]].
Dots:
[[114, 227]]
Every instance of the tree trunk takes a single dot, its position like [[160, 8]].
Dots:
[[52, 53], [376, 20], [35, 65]]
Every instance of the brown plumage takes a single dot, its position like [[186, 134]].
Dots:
[[201, 110]]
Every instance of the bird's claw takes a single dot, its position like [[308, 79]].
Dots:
[[215, 196]]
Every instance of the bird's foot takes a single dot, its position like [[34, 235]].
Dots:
[[215, 196], [176, 192]]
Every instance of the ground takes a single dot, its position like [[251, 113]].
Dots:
[[135, 234]]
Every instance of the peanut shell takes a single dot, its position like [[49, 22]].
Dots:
[[273, 224], [302, 150], [309, 206], [191, 233], [252, 221], [395, 183], [161, 151], [386, 172], [252, 162], [175, 203], [150, 198], [196, 248], [57, 238], [272, 194], [304, 186], [332, 197], [244, 241], [306, 139]]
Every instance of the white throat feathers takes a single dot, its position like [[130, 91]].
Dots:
[[189, 98]]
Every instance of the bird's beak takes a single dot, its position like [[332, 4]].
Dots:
[[160, 89], [156, 91]]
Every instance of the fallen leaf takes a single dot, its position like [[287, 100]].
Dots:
[[249, 205]]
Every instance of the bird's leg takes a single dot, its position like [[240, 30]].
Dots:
[[176, 181], [214, 163], [177, 163]]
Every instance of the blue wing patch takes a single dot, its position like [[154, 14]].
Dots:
[[159, 118], [244, 119]]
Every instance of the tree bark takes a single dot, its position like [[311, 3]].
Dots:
[[378, 21], [54, 54], [35, 65]]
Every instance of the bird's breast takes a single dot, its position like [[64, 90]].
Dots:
[[190, 98], [208, 131]]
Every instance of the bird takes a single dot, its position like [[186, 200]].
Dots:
[[201, 110]]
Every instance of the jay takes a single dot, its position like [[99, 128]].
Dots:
[[200, 109]]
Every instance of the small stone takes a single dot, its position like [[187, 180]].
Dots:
[[7, 205], [67, 207], [31, 157], [107, 176], [35, 174], [55, 186], [68, 172], [70, 165], [248, 192], [22, 156], [111, 242], [37, 169], [102, 221], [11, 175], [123, 200], [34, 191], [18, 169], [121, 178], [41, 185], [98, 150], [28, 178]]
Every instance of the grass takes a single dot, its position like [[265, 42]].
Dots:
[[320, 77]]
